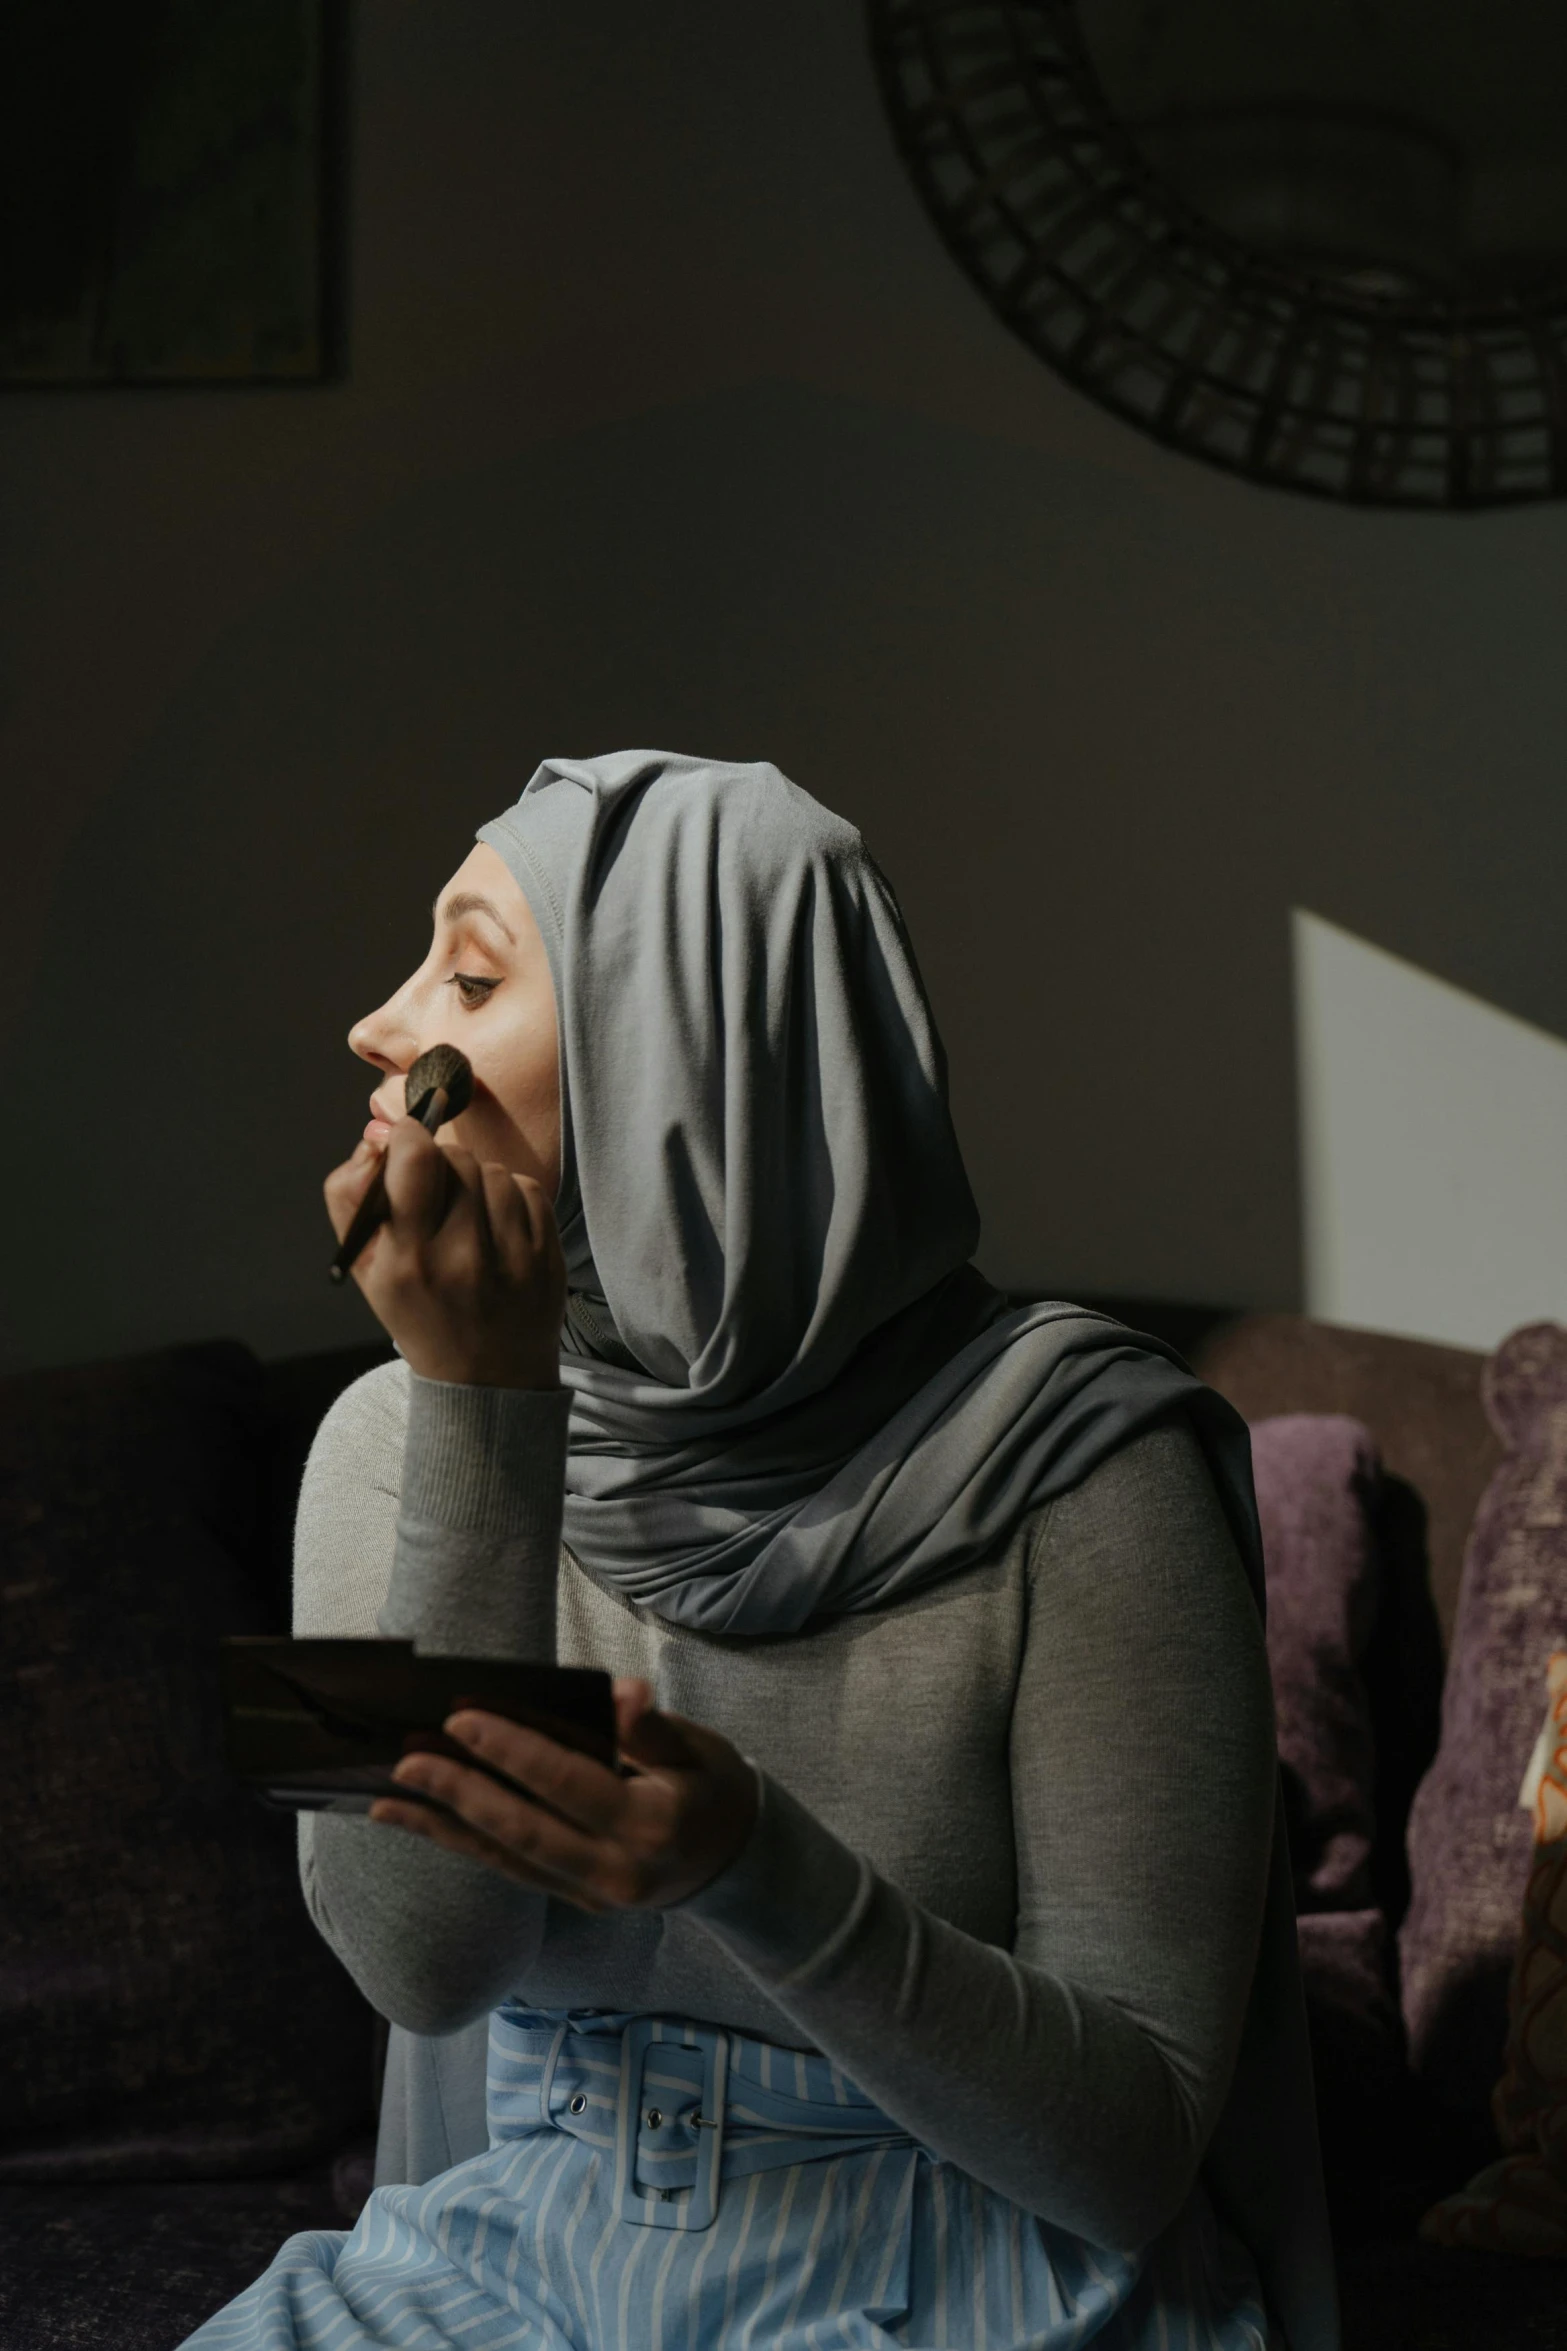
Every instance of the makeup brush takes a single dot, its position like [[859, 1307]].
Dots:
[[438, 1087]]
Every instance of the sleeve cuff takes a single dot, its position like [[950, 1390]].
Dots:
[[486, 1461], [790, 1896]]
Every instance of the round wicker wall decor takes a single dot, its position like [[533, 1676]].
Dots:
[[1248, 363]]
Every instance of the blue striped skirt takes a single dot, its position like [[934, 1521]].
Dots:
[[658, 2185]]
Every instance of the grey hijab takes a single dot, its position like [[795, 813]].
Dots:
[[792, 1395]]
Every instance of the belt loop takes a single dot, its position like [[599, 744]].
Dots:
[[547, 2077], [695, 2207]]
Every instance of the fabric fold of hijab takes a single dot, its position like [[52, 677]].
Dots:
[[792, 1395]]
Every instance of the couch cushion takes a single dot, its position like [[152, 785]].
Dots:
[[138, 2268], [1470, 1842], [1421, 1404], [167, 2009]]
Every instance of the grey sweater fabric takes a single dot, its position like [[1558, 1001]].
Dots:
[[1010, 1861]]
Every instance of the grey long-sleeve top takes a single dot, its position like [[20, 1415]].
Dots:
[[1009, 1865]]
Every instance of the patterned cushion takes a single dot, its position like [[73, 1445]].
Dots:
[[1469, 1840], [168, 2009]]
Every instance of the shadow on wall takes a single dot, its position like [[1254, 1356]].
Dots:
[[926, 629]]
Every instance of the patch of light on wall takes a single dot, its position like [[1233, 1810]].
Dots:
[[1433, 1137]]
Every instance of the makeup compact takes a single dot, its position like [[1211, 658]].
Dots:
[[317, 1725]]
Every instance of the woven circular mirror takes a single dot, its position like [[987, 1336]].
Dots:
[[1324, 247]]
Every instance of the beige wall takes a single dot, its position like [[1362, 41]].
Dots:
[[669, 421]]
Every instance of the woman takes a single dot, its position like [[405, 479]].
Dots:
[[931, 1976]]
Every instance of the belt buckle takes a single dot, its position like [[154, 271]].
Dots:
[[695, 2207]]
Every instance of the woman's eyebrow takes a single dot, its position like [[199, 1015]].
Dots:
[[468, 902]]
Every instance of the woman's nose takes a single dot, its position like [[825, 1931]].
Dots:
[[383, 1039]]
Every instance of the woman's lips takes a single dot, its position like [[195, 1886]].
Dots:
[[381, 1119]]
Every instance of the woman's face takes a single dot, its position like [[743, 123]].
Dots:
[[484, 986]]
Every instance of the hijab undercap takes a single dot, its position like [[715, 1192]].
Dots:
[[793, 1396]]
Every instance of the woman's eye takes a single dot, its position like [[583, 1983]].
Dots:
[[472, 992]]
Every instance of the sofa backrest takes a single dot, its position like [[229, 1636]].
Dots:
[[1420, 1402], [167, 2010]]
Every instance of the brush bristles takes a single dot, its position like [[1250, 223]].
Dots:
[[444, 1066]]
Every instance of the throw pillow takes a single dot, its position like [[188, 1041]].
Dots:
[[1469, 1843]]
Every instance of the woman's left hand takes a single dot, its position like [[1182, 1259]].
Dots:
[[593, 1837]]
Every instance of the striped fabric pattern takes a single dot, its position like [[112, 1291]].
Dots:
[[586, 2226]]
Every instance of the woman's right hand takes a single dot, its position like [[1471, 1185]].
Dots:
[[466, 1273]]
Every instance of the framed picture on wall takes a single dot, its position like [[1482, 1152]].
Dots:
[[168, 192]]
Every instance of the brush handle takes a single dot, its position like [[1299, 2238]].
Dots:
[[375, 1208]]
